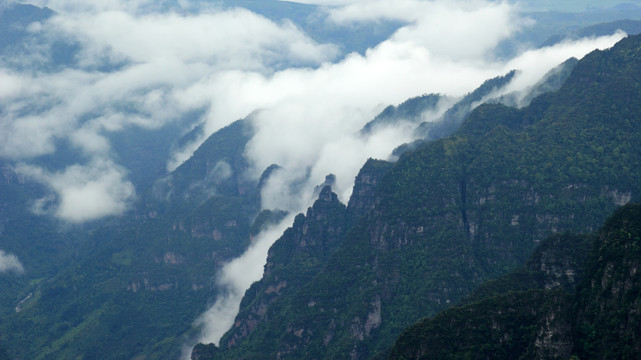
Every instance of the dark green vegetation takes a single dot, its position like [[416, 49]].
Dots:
[[139, 288], [552, 81], [298, 255], [465, 209], [596, 319], [37, 241], [454, 116]]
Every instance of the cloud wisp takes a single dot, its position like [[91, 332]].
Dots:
[[84, 193], [145, 66], [10, 263]]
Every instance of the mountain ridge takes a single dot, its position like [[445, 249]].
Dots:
[[593, 319], [455, 212]]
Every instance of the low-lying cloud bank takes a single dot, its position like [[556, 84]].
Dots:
[[136, 65], [146, 64], [83, 192]]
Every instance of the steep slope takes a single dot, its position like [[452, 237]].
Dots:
[[598, 321], [608, 322], [150, 274], [468, 208], [303, 250], [557, 263], [552, 81], [524, 314], [298, 255], [216, 168], [512, 326]]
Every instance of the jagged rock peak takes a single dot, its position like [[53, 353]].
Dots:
[[327, 195]]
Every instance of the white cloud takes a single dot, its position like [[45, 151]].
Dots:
[[307, 120], [155, 59], [458, 30], [308, 112], [231, 39], [12, 84], [9, 262], [301, 116], [83, 192]]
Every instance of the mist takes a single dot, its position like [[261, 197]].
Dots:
[[134, 67], [83, 192], [233, 280]]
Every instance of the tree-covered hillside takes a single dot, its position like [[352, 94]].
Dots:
[[596, 319], [144, 279], [465, 209]]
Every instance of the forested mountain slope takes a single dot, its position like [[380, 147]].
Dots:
[[468, 208], [148, 276], [596, 320]]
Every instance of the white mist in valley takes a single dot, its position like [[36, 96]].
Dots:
[[234, 279]]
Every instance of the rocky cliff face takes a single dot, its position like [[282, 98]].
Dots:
[[600, 320], [529, 325], [296, 257], [363, 196], [608, 322]]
